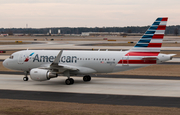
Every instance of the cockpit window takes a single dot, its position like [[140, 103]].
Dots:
[[11, 57]]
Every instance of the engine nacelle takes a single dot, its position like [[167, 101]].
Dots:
[[41, 74]]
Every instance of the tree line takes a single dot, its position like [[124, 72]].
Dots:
[[173, 30]]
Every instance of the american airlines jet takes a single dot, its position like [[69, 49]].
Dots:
[[46, 64]]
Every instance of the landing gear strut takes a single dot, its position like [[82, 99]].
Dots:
[[68, 81], [26, 76], [87, 78]]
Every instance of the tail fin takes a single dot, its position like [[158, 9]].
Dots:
[[151, 41]]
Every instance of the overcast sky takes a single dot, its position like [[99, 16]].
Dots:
[[86, 13]]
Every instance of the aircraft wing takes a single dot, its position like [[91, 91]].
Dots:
[[60, 68], [56, 67]]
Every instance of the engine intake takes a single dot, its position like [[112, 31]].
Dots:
[[41, 74]]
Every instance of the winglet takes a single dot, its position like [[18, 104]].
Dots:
[[56, 61]]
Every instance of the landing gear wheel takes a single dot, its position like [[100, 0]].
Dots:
[[72, 80], [87, 78], [69, 81], [25, 78]]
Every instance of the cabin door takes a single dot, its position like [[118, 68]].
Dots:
[[125, 60]]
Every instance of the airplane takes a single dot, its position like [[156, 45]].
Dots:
[[4, 35], [44, 65]]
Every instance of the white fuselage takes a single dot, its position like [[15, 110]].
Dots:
[[95, 61]]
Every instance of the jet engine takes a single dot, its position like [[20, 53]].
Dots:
[[41, 74]]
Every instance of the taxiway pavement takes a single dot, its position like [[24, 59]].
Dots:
[[114, 86], [113, 91], [69, 45]]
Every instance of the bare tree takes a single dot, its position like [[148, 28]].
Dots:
[[176, 31]]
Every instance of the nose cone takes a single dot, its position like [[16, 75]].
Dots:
[[5, 63]]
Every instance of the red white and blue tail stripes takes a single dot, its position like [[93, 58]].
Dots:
[[148, 47], [151, 41]]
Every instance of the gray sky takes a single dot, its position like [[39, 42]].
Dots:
[[86, 13]]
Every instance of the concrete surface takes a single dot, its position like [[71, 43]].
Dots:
[[115, 86]]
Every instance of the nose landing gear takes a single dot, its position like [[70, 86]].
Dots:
[[26, 76]]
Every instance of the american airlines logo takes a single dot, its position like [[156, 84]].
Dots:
[[27, 58], [63, 59]]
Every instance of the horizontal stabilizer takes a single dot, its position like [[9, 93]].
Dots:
[[171, 54], [150, 58]]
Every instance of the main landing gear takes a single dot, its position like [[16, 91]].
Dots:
[[70, 81], [87, 78], [26, 76]]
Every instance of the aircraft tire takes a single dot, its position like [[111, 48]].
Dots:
[[87, 78], [69, 81], [25, 78], [72, 80]]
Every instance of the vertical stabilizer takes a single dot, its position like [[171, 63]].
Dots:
[[151, 41]]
